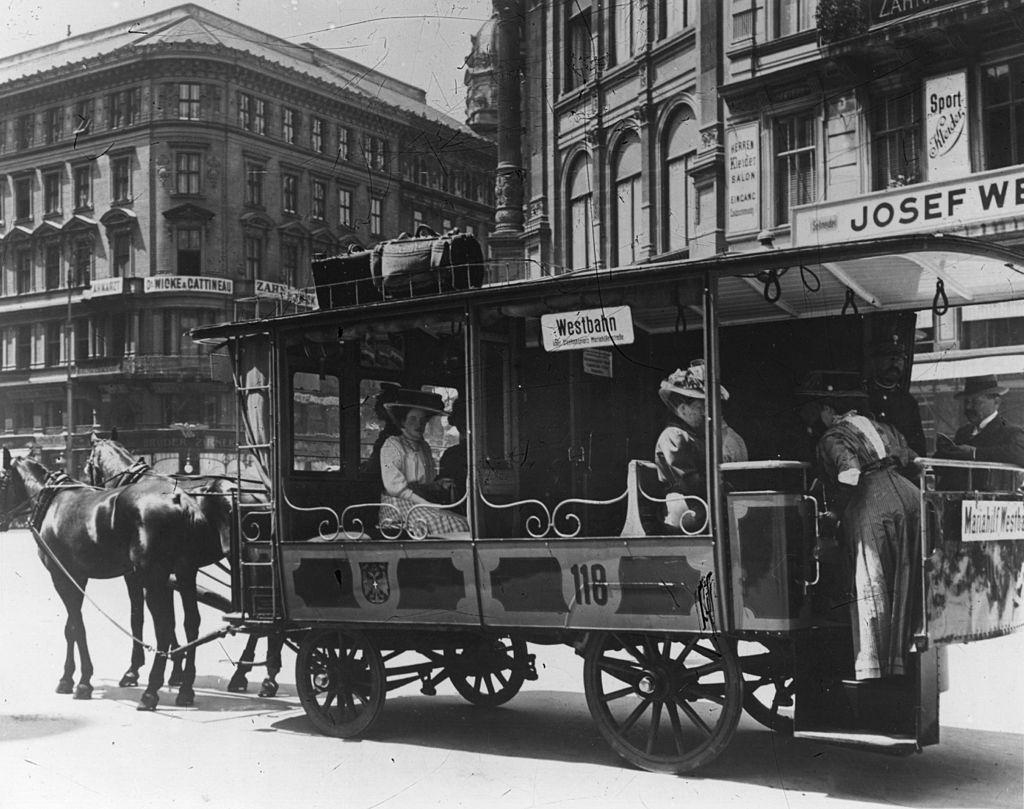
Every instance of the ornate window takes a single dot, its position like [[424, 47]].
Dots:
[[626, 30], [675, 16], [795, 15], [51, 193], [678, 198], [253, 256], [121, 179], [82, 122], [345, 207], [319, 210], [188, 101], [1002, 101], [187, 172], [82, 177], [188, 243], [23, 350], [627, 200], [51, 263], [795, 162], [53, 124], [23, 198], [54, 339], [579, 55], [120, 253], [289, 193], [316, 134], [123, 108], [289, 125], [581, 219], [343, 143], [81, 261], [254, 173], [896, 140], [24, 131], [23, 270], [376, 216]]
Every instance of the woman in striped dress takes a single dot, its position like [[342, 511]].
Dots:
[[859, 460], [408, 471]]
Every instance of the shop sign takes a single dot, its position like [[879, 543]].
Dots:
[[883, 11], [743, 178], [188, 283], [282, 292], [101, 287], [942, 206], [587, 328], [991, 520], [946, 136]]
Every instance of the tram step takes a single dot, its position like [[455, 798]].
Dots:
[[896, 745]]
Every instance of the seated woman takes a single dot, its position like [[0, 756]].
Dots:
[[681, 450], [408, 472]]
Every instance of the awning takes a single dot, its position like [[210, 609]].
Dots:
[[1002, 365]]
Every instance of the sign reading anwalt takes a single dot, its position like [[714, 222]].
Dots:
[[188, 283]]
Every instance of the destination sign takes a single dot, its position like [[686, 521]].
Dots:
[[991, 520], [587, 328]]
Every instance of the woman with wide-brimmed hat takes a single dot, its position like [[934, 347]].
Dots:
[[407, 467], [681, 450], [859, 461]]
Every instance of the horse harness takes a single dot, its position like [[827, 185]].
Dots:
[[56, 481]]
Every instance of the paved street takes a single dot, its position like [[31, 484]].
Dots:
[[541, 749]]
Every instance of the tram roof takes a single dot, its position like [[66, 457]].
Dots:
[[895, 272]]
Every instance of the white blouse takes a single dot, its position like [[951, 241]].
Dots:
[[402, 462]]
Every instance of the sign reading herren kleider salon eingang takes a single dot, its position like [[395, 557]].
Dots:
[[929, 207]]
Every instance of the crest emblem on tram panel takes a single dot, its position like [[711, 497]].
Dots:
[[376, 586]]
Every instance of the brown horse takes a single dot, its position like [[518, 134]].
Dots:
[[110, 464], [85, 533]]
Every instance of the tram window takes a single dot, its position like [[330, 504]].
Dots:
[[316, 422], [563, 420]]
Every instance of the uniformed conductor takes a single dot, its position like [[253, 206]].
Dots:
[[888, 399]]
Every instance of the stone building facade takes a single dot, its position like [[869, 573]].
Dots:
[[656, 130], [184, 171]]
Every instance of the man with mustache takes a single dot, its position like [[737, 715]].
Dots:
[[987, 436], [888, 400]]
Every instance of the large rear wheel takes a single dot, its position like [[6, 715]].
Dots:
[[664, 704], [340, 679], [768, 682]]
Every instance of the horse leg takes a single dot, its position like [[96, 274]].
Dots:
[[176, 675], [136, 599], [158, 599], [190, 608], [275, 640], [238, 682], [71, 593]]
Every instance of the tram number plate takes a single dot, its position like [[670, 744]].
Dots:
[[590, 583]]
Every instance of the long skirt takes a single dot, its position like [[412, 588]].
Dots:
[[420, 521], [882, 525]]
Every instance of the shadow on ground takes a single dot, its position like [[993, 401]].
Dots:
[[556, 726], [211, 696], [20, 727]]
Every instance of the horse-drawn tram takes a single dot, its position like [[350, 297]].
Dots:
[[634, 463]]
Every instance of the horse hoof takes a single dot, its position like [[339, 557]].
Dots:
[[238, 685], [130, 679], [269, 688], [65, 687], [148, 701], [185, 698], [83, 691]]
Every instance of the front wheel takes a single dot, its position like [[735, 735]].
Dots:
[[490, 672], [340, 679], [664, 704]]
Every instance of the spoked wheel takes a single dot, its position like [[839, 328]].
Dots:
[[490, 672], [768, 683], [664, 704], [340, 679]]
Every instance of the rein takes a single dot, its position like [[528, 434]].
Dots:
[[55, 482], [133, 474]]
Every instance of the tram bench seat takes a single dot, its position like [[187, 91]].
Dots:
[[642, 515]]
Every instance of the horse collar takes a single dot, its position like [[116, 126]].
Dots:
[[54, 482], [135, 473]]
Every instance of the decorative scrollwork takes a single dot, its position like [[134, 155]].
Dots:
[[532, 520], [689, 512], [324, 524], [574, 517], [389, 528]]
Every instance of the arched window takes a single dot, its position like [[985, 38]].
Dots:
[[628, 222], [581, 220], [680, 146]]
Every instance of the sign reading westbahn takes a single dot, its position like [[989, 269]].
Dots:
[[940, 206], [587, 328]]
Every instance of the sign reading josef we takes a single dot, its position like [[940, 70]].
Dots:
[[587, 328]]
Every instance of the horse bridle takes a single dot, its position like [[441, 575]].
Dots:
[[125, 477], [7, 517]]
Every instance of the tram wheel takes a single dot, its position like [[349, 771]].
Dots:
[[768, 683], [664, 704], [490, 672], [340, 679]]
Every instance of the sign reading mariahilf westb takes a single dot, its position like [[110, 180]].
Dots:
[[944, 206], [990, 520]]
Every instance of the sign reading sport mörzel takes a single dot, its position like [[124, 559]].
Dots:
[[587, 328], [941, 206]]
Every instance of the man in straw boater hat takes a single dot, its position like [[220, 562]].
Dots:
[[987, 436], [407, 468], [859, 461], [888, 400], [681, 450]]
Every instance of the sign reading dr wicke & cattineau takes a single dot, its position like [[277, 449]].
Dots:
[[943, 206]]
